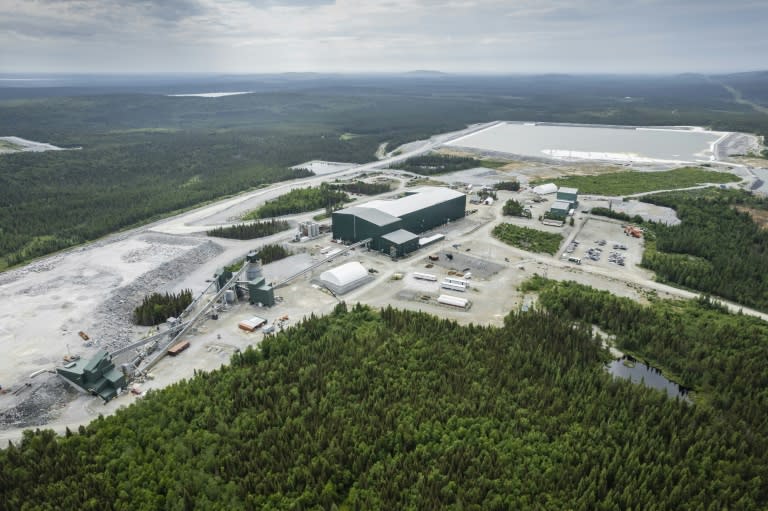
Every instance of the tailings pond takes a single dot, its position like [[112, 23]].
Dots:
[[604, 143], [637, 372]]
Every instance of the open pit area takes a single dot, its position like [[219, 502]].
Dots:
[[94, 288]]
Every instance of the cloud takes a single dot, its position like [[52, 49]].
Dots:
[[453, 35]]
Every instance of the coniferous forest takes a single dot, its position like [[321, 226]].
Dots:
[[301, 200], [273, 252], [364, 188], [430, 164], [404, 410], [251, 230], [158, 307], [717, 248]]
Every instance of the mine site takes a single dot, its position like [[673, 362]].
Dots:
[[72, 349]]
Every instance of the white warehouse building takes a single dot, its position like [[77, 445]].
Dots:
[[345, 278]]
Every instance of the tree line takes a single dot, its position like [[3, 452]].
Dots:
[[251, 230], [272, 252], [157, 307], [301, 200], [513, 186], [434, 163], [363, 188], [617, 215]]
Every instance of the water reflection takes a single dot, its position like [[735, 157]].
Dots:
[[629, 368]]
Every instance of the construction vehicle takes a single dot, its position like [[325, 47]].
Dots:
[[631, 230]]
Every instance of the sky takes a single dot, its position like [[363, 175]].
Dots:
[[468, 36]]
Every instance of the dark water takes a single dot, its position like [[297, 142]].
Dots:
[[648, 376]]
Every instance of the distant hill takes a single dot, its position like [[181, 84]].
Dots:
[[425, 72], [752, 85]]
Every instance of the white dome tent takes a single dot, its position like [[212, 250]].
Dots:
[[545, 189], [345, 278]]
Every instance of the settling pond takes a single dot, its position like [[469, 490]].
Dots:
[[636, 372], [604, 143]]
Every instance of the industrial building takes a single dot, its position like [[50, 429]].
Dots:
[[259, 292], [560, 209], [97, 375], [570, 195], [393, 225], [345, 278]]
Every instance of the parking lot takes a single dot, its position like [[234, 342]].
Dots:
[[603, 243]]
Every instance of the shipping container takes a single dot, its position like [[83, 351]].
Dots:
[[178, 348], [453, 287], [249, 325], [460, 282], [454, 301]]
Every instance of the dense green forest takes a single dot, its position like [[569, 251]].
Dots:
[[363, 188], [513, 186], [716, 248], [250, 231], [527, 238], [272, 252], [433, 163], [403, 410], [144, 155], [719, 355], [623, 183], [157, 307], [301, 200]]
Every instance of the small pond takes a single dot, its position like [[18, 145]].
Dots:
[[637, 372]]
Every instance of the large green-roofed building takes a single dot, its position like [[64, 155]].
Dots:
[[396, 223]]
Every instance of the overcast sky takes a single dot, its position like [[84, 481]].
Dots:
[[504, 36]]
